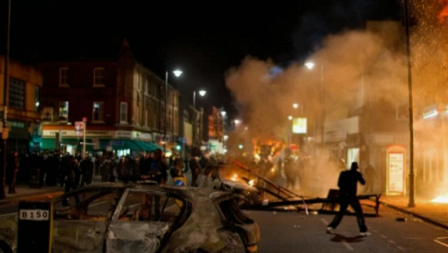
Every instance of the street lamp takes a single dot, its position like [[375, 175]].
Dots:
[[290, 117], [177, 73], [223, 113], [310, 65], [201, 93], [237, 122], [295, 105], [411, 112]]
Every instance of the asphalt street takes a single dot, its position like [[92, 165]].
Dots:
[[297, 232]]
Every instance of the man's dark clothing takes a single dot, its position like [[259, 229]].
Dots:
[[158, 171], [204, 162], [70, 181], [290, 168], [347, 183], [52, 165], [87, 171], [196, 169]]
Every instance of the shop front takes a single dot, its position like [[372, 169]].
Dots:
[[118, 142]]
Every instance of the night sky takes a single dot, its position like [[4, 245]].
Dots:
[[203, 39]]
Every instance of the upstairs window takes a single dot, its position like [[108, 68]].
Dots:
[[123, 112], [63, 110], [16, 93], [63, 76], [99, 77], [98, 111]]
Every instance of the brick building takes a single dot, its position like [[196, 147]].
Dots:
[[122, 100]]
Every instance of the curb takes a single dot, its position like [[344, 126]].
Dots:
[[27, 196], [426, 219]]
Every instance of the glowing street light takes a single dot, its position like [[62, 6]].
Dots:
[[177, 72], [237, 122], [309, 65], [295, 105], [290, 117], [223, 113], [201, 93]]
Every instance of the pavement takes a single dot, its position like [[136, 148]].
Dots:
[[24, 192], [434, 213]]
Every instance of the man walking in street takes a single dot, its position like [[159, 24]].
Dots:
[[348, 183]]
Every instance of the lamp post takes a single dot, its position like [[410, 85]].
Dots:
[[177, 73], [201, 93], [310, 66], [5, 102], [411, 105]]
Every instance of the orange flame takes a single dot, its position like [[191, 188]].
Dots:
[[275, 145], [444, 13]]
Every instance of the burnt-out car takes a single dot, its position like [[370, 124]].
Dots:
[[122, 218]]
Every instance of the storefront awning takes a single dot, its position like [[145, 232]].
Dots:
[[48, 144], [120, 144], [148, 146]]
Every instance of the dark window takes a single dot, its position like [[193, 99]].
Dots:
[[63, 76], [98, 111], [17, 94], [142, 206], [99, 76], [86, 205]]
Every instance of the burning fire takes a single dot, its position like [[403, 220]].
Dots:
[[441, 199], [275, 145], [444, 13]]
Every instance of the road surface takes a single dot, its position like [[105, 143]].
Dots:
[[296, 232]]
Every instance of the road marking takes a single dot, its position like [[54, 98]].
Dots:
[[411, 238], [391, 242], [401, 248], [385, 237], [346, 244], [441, 243]]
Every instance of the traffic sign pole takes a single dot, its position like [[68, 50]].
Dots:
[[84, 138]]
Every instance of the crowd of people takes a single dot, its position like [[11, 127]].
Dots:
[[71, 171]]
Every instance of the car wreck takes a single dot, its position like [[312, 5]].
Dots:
[[125, 218]]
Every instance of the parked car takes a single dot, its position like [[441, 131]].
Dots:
[[135, 218]]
